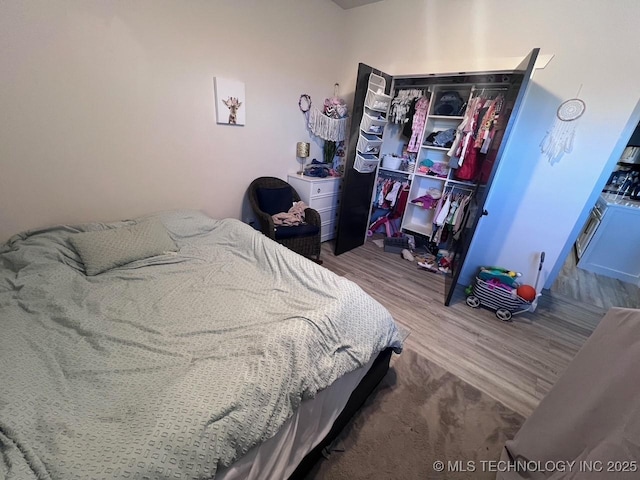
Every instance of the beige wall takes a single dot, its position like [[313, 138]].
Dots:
[[107, 107], [108, 112], [537, 206]]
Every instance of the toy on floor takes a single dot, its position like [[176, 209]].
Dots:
[[503, 275], [407, 255], [498, 289], [527, 292]]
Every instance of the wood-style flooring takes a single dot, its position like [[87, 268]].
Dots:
[[516, 363], [589, 287]]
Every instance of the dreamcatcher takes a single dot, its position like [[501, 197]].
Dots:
[[559, 139]]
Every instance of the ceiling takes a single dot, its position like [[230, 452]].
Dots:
[[346, 4]]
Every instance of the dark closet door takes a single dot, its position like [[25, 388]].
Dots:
[[513, 100], [357, 188]]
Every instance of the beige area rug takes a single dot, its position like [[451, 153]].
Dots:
[[420, 413]]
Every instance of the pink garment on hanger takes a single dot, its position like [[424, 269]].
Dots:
[[464, 127], [419, 118]]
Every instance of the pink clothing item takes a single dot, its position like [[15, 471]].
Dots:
[[465, 127], [295, 215], [419, 118]]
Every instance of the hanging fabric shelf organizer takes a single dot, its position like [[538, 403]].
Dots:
[[372, 124]]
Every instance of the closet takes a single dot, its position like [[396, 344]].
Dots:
[[441, 138]]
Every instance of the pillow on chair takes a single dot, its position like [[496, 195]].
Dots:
[[275, 200], [285, 231]]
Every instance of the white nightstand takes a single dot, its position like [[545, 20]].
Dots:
[[323, 195]]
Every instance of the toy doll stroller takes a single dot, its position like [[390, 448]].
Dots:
[[496, 288]]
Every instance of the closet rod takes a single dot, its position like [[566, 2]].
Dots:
[[424, 90], [398, 175], [474, 87], [459, 187], [489, 89]]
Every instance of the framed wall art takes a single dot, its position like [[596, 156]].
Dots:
[[230, 101]]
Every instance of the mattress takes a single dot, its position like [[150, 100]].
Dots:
[[173, 365], [279, 456]]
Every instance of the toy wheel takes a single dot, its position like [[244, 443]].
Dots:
[[504, 314], [473, 301], [369, 233]]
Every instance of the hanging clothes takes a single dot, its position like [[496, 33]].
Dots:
[[444, 211], [452, 211], [490, 123], [387, 191], [461, 217], [461, 133], [408, 125], [401, 204], [450, 218], [469, 161], [389, 220], [393, 193], [485, 123], [402, 104], [419, 119]]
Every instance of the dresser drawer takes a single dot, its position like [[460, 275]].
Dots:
[[325, 202], [309, 187], [325, 187], [328, 230], [328, 215]]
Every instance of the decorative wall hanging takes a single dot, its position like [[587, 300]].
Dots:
[[330, 124], [559, 139], [230, 101]]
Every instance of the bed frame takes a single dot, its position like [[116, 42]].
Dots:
[[366, 386]]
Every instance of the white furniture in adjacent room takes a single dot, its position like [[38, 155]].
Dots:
[[323, 195], [613, 247]]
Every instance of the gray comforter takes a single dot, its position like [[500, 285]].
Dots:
[[171, 366]]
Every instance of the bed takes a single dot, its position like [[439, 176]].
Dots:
[[228, 356]]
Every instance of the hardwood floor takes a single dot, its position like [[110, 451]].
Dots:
[[516, 363], [589, 287]]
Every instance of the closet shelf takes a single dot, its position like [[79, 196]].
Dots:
[[372, 125], [417, 228], [395, 171], [376, 81], [365, 163], [411, 204], [433, 147], [426, 175], [369, 143], [446, 117], [378, 102], [461, 182]]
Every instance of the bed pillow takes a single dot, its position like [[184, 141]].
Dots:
[[275, 200], [107, 249]]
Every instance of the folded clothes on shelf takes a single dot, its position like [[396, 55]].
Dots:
[[429, 200]]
